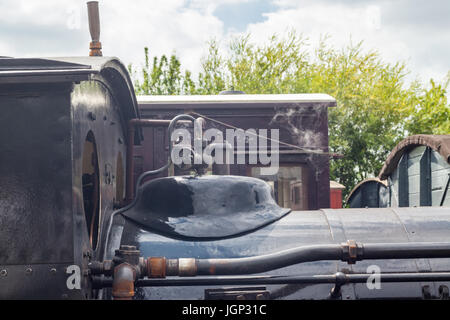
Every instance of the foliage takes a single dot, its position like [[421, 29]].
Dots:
[[162, 78], [376, 108]]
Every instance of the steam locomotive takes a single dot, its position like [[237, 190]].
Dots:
[[67, 231]]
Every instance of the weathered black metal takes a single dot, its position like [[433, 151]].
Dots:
[[349, 252], [261, 280], [205, 207], [48, 108], [389, 225]]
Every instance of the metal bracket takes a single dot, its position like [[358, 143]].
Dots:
[[351, 251]]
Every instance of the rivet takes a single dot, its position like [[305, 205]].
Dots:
[[53, 271], [28, 271], [3, 273]]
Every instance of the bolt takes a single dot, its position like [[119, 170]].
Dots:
[[87, 255], [53, 271], [28, 271], [3, 273]]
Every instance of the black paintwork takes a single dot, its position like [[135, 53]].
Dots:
[[9, 64], [205, 207], [304, 228], [47, 111]]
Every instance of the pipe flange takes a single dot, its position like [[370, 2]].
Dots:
[[351, 251]]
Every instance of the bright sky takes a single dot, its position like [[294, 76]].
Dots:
[[413, 31]]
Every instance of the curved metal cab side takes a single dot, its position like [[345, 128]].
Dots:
[[306, 228], [49, 107]]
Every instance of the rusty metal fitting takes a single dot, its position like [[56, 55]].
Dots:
[[156, 267], [95, 49], [351, 251], [171, 267], [123, 283], [128, 254], [187, 267], [96, 267]]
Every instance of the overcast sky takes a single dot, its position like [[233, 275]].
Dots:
[[413, 31]]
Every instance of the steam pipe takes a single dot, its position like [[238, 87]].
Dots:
[[132, 124], [410, 250], [160, 267], [268, 262], [349, 252], [172, 124], [340, 277], [123, 283]]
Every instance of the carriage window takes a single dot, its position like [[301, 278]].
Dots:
[[91, 188], [290, 186]]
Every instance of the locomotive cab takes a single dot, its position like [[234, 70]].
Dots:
[[63, 133]]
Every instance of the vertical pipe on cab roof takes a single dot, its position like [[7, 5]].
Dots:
[[94, 28]]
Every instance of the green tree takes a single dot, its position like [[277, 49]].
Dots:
[[376, 108], [163, 77], [429, 111]]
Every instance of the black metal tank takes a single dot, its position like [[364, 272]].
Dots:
[[387, 225]]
